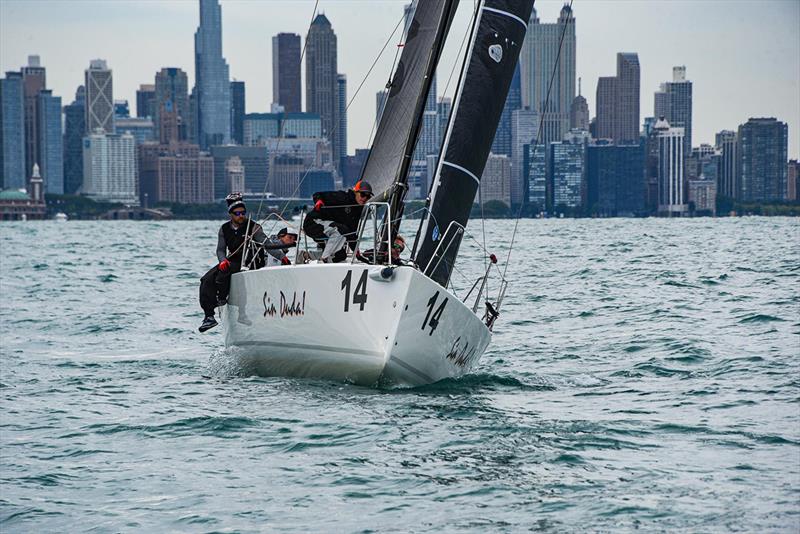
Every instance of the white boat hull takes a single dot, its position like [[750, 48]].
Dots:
[[344, 322]]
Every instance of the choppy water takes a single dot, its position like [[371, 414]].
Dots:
[[644, 375]]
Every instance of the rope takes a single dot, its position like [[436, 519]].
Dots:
[[539, 132]]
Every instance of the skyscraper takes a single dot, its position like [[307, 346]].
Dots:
[[605, 103], [579, 112], [212, 89], [536, 170], [237, 112], [109, 168], [145, 101], [568, 171], [674, 102], [286, 71], [762, 154], [99, 97], [12, 132], [618, 101], [524, 128], [341, 122], [671, 193], [615, 179], [502, 137], [539, 57], [172, 86], [726, 178], [496, 179], [626, 114], [321, 77], [74, 130], [33, 80], [51, 149]]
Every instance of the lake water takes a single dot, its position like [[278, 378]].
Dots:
[[644, 374]]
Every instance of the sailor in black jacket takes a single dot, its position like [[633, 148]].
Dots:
[[216, 283], [334, 220]]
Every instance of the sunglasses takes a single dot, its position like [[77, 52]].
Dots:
[[368, 195], [238, 213], [401, 248]]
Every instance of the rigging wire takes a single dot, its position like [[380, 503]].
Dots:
[[539, 132]]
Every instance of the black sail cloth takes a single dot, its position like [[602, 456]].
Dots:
[[401, 119], [496, 42]]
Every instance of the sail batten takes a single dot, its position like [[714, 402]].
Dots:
[[498, 33]]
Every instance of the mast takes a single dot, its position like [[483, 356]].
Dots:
[[498, 32]]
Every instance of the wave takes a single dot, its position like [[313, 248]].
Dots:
[[471, 383]]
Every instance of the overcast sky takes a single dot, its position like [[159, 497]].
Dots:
[[743, 56]]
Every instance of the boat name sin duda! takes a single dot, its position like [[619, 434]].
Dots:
[[285, 308]]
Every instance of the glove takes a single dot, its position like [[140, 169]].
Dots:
[[224, 265], [285, 261], [318, 205]]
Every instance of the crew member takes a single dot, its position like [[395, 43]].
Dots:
[[215, 284], [334, 221], [284, 237], [398, 247]]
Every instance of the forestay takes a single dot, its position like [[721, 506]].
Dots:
[[497, 36]]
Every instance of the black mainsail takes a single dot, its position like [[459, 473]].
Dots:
[[392, 149], [497, 35]]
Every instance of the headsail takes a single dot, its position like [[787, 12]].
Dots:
[[402, 113], [497, 37]]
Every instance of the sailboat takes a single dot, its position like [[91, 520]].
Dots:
[[382, 323]]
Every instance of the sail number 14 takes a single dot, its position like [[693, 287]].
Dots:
[[360, 293]]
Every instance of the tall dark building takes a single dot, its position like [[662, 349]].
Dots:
[[502, 137], [341, 118], [33, 80], [616, 179], [548, 48], [286, 71], [673, 102], [172, 86], [762, 147], [237, 112], [726, 177], [74, 129], [12, 132], [145, 101], [605, 103], [212, 88], [618, 101], [321, 77], [51, 149], [99, 84]]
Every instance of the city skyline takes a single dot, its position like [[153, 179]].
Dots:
[[733, 80]]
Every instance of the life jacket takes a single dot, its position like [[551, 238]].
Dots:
[[234, 238]]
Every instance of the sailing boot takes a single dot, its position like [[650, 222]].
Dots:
[[208, 323]]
